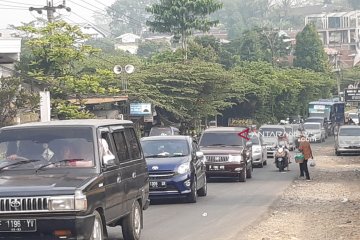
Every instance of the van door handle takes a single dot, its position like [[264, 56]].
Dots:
[[134, 175], [118, 179]]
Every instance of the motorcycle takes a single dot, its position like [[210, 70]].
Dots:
[[281, 158]]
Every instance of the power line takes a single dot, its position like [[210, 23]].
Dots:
[[6, 8], [135, 20], [90, 22], [24, 4], [7, 5], [136, 24]]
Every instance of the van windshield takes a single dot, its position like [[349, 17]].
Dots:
[[221, 139], [349, 132], [272, 132], [73, 146]]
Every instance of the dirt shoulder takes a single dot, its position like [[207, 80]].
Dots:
[[328, 207]]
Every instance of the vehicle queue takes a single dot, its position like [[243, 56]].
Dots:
[[70, 179]]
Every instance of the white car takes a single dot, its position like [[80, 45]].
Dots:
[[258, 150], [315, 132], [355, 117]]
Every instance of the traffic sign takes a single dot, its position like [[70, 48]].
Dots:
[[352, 95]]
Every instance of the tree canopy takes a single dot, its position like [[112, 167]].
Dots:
[[309, 50], [181, 17]]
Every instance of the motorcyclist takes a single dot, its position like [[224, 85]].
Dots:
[[283, 151]]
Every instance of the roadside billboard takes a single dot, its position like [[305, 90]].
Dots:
[[352, 95], [140, 109]]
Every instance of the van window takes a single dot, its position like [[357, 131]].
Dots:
[[133, 144], [121, 146]]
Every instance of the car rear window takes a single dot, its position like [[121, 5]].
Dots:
[[312, 126], [221, 138], [165, 131]]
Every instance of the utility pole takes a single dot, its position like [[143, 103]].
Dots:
[[50, 9]]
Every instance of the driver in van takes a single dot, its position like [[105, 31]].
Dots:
[[69, 151]]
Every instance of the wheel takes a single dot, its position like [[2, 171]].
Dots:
[[192, 198], [242, 176], [337, 153], [98, 228], [249, 172], [131, 225], [262, 163], [202, 192]]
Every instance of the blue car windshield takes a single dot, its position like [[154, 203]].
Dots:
[[165, 148]]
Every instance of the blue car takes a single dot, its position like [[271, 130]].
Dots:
[[176, 167]]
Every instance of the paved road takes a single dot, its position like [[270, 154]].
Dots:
[[228, 208]]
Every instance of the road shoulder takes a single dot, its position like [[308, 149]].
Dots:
[[328, 207]]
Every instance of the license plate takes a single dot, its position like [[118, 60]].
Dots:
[[157, 184], [18, 225], [216, 168]]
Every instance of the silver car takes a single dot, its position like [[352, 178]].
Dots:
[[315, 132], [258, 150], [347, 140]]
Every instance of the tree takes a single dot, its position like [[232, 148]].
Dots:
[[148, 48], [251, 47], [128, 16], [309, 50], [13, 99], [181, 17], [54, 52], [190, 91]]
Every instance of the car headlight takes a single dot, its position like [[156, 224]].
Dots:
[[184, 168], [77, 202], [235, 158]]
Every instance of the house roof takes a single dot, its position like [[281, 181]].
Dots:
[[316, 9], [89, 25], [125, 35]]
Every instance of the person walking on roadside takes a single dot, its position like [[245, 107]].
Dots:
[[305, 149]]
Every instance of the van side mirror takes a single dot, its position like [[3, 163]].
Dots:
[[108, 160]]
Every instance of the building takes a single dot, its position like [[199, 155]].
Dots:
[[93, 31], [339, 31], [10, 49], [128, 42]]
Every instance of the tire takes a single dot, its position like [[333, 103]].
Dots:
[[242, 175], [262, 163], [249, 172], [337, 153], [98, 228], [202, 192], [192, 198], [131, 225]]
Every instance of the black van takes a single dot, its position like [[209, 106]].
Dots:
[[70, 179]]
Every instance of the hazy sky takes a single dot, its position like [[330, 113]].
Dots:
[[17, 11]]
